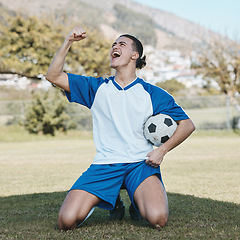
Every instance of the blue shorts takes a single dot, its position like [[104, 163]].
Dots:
[[106, 180]]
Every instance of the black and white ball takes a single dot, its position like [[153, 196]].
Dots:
[[159, 128]]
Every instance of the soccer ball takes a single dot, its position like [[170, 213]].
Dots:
[[159, 128]]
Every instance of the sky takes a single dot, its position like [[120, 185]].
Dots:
[[222, 16]]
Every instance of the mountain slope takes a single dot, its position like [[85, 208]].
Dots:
[[113, 17]]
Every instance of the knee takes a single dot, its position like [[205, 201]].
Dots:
[[66, 221], [158, 218]]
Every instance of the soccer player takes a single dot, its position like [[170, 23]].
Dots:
[[120, 105]]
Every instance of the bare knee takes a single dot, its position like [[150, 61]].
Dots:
[[67, 221], [75, 208], [157, 218], [160, 220]]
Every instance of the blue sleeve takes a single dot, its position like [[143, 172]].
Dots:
[[83, 89], [164, 103]]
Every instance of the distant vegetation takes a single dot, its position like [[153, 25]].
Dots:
[[79, 12], [28, 46], [172, 86], [5, 13], [135, 23], [218, 62]]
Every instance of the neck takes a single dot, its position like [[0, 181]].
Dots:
[[125, 78]]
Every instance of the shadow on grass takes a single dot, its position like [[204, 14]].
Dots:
[[34, 216]]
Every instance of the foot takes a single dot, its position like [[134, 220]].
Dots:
[[118, 212], [135, 216]]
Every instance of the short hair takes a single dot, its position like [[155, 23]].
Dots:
[[141, 61]]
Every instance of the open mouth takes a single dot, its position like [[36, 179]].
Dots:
[[116, 55]]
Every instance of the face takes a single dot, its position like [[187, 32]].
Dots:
[[122, 53]]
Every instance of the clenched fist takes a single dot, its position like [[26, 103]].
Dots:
[[77, 34]]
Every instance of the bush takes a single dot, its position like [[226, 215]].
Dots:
[[172, 86], [47, 113]]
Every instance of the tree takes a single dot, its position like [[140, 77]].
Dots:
[[29, 44], [91, 56], [172, 86], [47, 113], [218, 61]]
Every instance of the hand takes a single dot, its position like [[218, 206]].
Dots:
[[155, 157], [183, 131], [77, 34]]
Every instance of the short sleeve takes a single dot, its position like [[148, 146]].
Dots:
[[164, 103], [82, 89]]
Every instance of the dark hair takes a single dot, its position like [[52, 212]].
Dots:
[[141, 61]]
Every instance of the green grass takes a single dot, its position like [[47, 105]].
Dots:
[[34, 216], [201, 178], [216, 117]]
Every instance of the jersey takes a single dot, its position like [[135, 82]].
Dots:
[[119, 115]]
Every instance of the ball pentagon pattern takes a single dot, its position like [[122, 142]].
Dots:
[[159, 128]]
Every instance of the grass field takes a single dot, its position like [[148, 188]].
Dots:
[[202, 179]]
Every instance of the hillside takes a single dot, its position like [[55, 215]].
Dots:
[[153, 26]]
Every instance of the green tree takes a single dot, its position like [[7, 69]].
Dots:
[[47, 113], [172, 86], [90, 56], [28, 46]]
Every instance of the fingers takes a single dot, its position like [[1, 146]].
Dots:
[[77, 34], [79, 31], [151, 163], [154, 159]]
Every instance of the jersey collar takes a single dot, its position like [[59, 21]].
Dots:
[[134, 82]]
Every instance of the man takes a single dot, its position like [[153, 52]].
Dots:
[[120, 105]]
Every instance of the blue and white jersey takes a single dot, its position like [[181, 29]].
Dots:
[[119, 115]]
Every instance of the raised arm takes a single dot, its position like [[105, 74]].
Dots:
[[183, 131], [55, 72]]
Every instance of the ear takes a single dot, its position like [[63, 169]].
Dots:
[[135, 55]]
